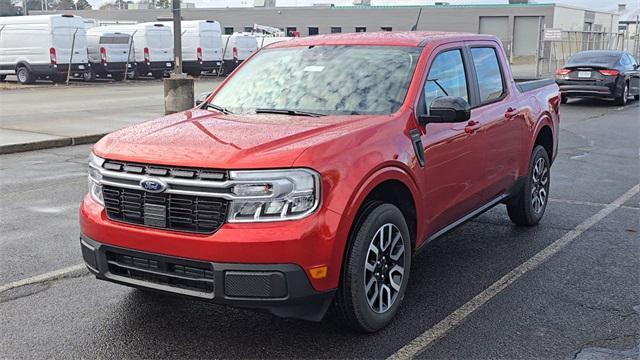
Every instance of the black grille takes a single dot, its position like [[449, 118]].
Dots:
[[198, 214], [194, 276], [165, 171]]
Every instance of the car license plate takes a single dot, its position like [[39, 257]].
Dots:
[[168, 64], [81, 67], [584, 74]]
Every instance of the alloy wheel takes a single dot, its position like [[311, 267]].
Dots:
[[384, 268], [539, 185]]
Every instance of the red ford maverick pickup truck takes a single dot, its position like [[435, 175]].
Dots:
[[310, 177]]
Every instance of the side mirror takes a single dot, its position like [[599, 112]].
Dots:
[[447, 109], [202, 97]]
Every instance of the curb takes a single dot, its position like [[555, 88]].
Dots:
[[48, 144]]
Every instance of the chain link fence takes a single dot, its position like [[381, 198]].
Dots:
[[553, 54]]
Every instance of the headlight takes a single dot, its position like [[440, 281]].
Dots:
[[273, 195], [95, 189]]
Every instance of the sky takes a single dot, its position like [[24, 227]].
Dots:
[[590, 4]]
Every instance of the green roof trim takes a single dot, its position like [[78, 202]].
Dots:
[[443, 6]]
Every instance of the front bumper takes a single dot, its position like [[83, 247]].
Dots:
[[282, 289]]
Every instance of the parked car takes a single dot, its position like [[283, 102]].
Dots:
[[201, 46], [40, 47], [152, 48], [602, 74], [237, 48], [314, 173], [109, 54]]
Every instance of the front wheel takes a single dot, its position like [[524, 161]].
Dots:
[[528, 206], [376, 269]]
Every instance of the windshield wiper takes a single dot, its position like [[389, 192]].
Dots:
[[223, 110], [440, 86], [287, 112]]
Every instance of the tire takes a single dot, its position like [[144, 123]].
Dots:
[[3, 78], [528, 206], [89, 75], [636, 97], [194, 74], [368, 262], [118, 76], [59, 79], [25, 76], [563, 99], [622, 99], [158, 75], [133, 75]]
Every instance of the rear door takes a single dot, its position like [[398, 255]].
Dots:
[[500, 120], [634, 74], [454, 161], [66, 37], [116, 47], [246, 45], [208, 44], [160, 44]]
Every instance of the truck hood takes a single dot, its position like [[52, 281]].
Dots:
[[200, 138]]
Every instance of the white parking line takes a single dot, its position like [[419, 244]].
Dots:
[[52, 275], [454, 319]]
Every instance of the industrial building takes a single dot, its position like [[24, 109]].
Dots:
[[519, 26]]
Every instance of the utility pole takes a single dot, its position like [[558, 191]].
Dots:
[[178, 89], [177, 36]]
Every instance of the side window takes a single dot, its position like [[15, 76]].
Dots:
[[446, 77], [485, 61], [624, 61]]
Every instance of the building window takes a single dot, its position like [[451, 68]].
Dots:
[[313, 31], [248, 29], [386, 28], [228, 30], [336, 29], [361, 29], [291, 30]]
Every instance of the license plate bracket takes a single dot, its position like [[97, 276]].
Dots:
[[584, 74]]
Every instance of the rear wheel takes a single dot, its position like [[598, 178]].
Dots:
[[622, 99], [3, 77], [563, 99], [528, 206], [158, 75], [25, 76], [89, 75], [376, 269], [133, 75]]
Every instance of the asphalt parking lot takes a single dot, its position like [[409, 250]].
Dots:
[[482, 291]]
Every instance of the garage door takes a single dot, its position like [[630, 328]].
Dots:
[[526, 33]]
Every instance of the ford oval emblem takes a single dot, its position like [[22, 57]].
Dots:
[[153, 185]]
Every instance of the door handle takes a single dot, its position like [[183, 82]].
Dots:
[[511, 112], [472, 126]]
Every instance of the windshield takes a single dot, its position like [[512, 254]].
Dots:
[[322, 80]]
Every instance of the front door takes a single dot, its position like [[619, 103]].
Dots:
[[454, 161]]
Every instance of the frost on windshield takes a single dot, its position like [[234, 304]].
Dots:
[[322, 79]]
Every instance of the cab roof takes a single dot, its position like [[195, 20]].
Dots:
[[383, 38]]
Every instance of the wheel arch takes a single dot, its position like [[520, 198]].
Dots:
[[379, 186]]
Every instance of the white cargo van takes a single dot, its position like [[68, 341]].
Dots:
[[237, 48], [108, 53], [152, 47], [40, 47], [266, 40], [201, 46]]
